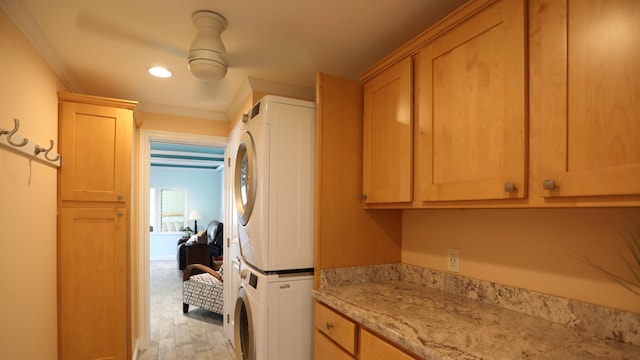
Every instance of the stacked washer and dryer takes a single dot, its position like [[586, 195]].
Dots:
[[273, 190]]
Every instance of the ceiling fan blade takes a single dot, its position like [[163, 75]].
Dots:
[[97, 24], [204, 89], [276, 56]]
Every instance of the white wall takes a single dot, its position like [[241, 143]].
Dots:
[[28, 91]]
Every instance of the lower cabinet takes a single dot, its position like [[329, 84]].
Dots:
[[337, 337], [372, 347], [325, 348], [92, 289]]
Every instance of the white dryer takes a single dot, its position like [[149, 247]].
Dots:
[[273, 184], [273, 316]]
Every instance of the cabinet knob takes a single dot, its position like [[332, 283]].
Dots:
[[510, 187], [119, 213], [329, 326], [363, 196], [119, 197], [548, 184]]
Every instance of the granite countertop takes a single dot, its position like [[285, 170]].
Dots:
[[438, 325]]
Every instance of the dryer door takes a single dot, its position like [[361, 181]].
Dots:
[[245, 341], [246, 178]]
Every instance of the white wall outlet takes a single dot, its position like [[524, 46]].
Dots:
[[453, 260]]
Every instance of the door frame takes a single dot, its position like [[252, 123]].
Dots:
[[144, 163]]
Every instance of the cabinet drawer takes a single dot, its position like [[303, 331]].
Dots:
[[325, 349], [373, 347], [335, 326]]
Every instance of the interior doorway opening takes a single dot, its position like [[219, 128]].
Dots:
[[142, 255]]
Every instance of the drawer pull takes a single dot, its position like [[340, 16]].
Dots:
[[548, 184], [510, 187], [329, 326]]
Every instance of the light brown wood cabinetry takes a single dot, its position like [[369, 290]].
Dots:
[[519, 103], [471, 108], [94, 208], [98, 139], [92, 283], [335, 337], [375, 348], [335, 326], [324, 348], [388, 135], [585, 92]]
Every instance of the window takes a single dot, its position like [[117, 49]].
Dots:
[[171, 205]]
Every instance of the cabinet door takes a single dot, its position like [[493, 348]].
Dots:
[[338, 328], [388, 135], [472, 108], [95, 142], [374, 348], [585, 77], [325, 349], [92, 286]]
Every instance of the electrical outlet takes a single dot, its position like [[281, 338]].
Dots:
[[453, 260]]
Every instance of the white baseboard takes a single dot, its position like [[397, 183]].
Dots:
[[134, 356]]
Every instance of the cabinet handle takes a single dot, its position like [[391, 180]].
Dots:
[[329, 326], [510, 187], [363, 196], [119, 197], [119, 213], [548, 184]]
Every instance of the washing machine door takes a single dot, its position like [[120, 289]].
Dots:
[[246, 178], [244, 337]]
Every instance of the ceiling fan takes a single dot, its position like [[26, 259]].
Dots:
[[206, 57], [207, 54]]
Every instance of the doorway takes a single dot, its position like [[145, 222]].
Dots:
[[143, 214]]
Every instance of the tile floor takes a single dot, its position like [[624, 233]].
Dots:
[[196, 335]]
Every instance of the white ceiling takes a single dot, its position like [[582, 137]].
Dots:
[[105, 47]]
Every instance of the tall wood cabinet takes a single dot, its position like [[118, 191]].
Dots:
[[94, 192]]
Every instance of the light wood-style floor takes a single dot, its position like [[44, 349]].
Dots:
[[196, 335]]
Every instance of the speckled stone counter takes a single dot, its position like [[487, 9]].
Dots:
[[426, 313]]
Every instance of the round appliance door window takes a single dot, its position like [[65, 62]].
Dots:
[[245, 179], [243, 331]]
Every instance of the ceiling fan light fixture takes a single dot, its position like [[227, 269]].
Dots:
[[207, 69], [207, 53], [159, 71]]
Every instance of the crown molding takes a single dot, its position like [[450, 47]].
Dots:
[[24, 22]]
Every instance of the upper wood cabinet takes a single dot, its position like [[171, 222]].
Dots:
[[515, 103], [96, 137], [585, 93], [388, 135], [471, 93]]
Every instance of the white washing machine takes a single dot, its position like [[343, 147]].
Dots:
[[274, 183], [231, 288], [273, 316]]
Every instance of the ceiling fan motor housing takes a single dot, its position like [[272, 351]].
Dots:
[[207, 52]]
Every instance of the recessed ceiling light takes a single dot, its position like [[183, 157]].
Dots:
[[159, 71]]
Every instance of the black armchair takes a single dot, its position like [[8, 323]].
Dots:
[[201, 249]]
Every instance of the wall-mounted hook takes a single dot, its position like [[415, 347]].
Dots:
[[15, 130], [46, 154], [37, 149]]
